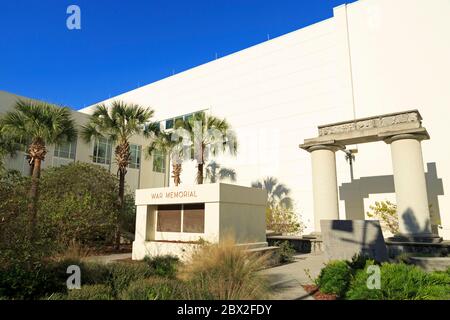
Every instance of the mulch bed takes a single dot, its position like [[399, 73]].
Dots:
[[314, 291]]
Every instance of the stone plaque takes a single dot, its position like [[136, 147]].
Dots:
[[342, 239]]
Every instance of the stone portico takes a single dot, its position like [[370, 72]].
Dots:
[[403, 132]]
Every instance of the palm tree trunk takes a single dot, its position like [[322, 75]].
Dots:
[[33, 197], [200, 173], [121, 207], [200, 167], [122, 158], [176, 171]]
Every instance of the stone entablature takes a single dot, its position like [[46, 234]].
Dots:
[[411, 118], [368, 129]]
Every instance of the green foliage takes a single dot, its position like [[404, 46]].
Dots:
[[122, 274], [286, 251], [91, 292], [358, 289], [401, 282], [282, 219], [153, 289], [77, 204], [163, 266], [33, 120], [15, 245], [386, 212], [334, 278], [79, 200], [28, 280]]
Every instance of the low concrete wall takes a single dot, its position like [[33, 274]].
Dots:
[[432, 249], [431, 263], [299, 243]]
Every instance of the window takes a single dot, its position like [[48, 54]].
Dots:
[[66, 150], [188, 116], [135, 153], [194, 218], [102, 151], [169, 218], [169, 124], [159, 162]]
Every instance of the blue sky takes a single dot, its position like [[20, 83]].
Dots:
[[126, 44]]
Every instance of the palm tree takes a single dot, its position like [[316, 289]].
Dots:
[[215, 172], [41, 124], [210, 135], [168, 147], [277, 193], [118, 123]]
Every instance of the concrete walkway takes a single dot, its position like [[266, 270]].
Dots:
[[286, 281], [108, 258]]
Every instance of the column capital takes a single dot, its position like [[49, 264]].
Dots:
[[330, 147], [403, 136]]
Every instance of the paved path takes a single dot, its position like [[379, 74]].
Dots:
[[109, 258], [286, 281]]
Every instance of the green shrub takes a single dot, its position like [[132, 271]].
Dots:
[[91, 272], [152, 289], [163, 266], [91, 292], [334, 278], [401, 282], [286, 251], [358, 286], [122, 274], [29, 281], [79, 200]]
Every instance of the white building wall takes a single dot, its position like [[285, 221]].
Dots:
[[372, 57], [400, 53]]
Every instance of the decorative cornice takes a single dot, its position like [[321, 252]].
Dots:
[[382, 121]]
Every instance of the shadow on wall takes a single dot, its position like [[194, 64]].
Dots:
[[343, 239], [411, 223], [354, 193]]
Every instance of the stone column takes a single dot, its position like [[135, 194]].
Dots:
[[410, 188], [325, 191]]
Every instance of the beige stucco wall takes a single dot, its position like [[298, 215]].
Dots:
[[135, 178]]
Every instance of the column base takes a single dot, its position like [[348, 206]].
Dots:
[[316, 242], [429, 238], [313, 236]]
